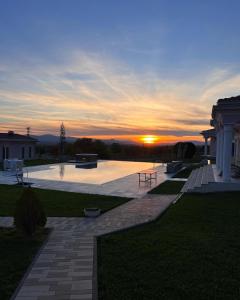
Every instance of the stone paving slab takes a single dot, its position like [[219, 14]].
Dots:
[[64, 268], [132, 213]]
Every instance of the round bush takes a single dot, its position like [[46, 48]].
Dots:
[[29, 214]]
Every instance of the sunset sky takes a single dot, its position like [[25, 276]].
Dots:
[[117, 69]]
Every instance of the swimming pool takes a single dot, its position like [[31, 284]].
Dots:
[[106, 170]]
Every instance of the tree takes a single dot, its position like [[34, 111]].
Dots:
[[101, 149], [88, 145], [83, 145], [190, 150], [62, 140], [178, 150], [29, 214], [184, 150], [116, 148]]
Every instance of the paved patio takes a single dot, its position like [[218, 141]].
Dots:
[[65, 267], [127, 186]]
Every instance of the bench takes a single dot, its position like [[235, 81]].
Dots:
[[147, 175]]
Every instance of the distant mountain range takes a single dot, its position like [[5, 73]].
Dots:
[[49, 139]]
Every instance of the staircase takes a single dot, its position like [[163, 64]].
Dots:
[[198, 180], [206, 180]]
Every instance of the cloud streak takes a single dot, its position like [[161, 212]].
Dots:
[[96, 95]]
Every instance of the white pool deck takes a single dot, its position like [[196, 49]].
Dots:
[[127, 186]]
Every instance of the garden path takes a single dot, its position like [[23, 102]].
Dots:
[[65, 267]]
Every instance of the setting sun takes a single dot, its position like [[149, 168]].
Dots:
[[149, 139]]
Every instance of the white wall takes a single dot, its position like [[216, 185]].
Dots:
[[15, 150]]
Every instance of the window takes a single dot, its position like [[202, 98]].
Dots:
[[30, 152], [23, 152], [5, 152]]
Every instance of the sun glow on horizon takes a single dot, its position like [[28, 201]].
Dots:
[[149, 139]]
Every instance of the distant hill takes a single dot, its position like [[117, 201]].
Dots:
[[50, 139]]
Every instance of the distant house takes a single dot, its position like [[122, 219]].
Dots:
[[19, 146]]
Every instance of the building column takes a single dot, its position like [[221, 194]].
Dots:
[[237, 156], [235, 151], [227, 152], [218, 150], [206, 146], [221, 141]]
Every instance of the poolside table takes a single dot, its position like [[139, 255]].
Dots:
[[147, 175]]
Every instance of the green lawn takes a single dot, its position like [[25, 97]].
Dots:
[[57, 203], [191, 252], [16, 254], [168, 187], [37, 162]]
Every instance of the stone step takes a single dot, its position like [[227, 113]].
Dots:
[[205, 176], [212, 177], [190, 181], [186, 185], [198, 179]]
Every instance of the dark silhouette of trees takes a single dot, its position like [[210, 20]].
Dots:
[[115, 148], [118, 151], [184, 150], [191, 150], [87, 145]]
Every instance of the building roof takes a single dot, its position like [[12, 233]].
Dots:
[[230, 100], [208, 133], [226, 111], [11, 136]]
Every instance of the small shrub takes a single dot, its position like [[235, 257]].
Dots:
[[29, 214]]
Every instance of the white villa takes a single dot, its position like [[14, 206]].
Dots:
[[224, 148], [16, 146]]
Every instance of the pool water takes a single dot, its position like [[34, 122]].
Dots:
[[104, 172]]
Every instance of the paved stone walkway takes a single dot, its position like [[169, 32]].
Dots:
[[64, 268]]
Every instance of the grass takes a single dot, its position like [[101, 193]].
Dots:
[[168, 187], [37, 162], [57, 203], [16, 252], [185, 173], [191, 252]]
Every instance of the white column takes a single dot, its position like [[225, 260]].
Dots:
[[238, 152], [227, 152], [221, 141], [206, 146], [235, 150], [218, 150]]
